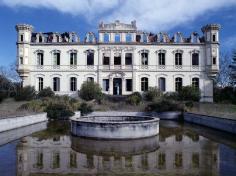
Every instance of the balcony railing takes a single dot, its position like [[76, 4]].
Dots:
[[117, 67]]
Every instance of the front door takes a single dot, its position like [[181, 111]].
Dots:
[[117, 86]]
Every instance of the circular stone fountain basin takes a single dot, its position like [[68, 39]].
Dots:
[[115, 127]]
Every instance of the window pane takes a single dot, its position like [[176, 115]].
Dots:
[[162, 84], [128, 59], [195, 59], [128, 84], [105, 85]]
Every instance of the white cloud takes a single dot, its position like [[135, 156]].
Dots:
[[149, 14]]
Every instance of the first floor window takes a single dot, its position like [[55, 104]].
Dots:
[[178, 84], [90, 57], [40, 84], [161, 57], [39, 58], [56, 84], [144, 84], [56, 58], [117, 60], [106, 60], [162, 84], [144, 58], [195, 83], [73, 84], [73, 58], [178, 58], [195, 59], [128, 58], [90, 79], [105, 84], [129, 85]]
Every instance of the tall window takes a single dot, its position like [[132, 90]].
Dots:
[[40, 39], [161, 57], [105, 85], [40, 84], [213, 37], [90, 57], [128, 38], [21, 37], [128, 58], [57, 38], [73, 84], [56, 58], [144, 58], [195, 59], [162, 84], [39, 58], [106, 38], [178, 58], [117, 38], [56, 84], [144, 84], [117, 60], [106, 59], [195, 82], [214, 60], [73, 58], [21, 60], [178, 84], [145, 38], [129, 86]]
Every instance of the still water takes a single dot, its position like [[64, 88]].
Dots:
[[180, 149]]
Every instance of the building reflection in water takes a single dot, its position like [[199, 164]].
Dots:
[[173, 151]]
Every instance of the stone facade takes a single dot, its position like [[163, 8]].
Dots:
[[122, 60]]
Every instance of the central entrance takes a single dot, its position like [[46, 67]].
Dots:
[[117, 86]]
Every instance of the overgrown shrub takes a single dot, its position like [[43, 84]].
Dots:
[[134, 99], [225, 95], [189, 93], [152, 94], [165, 105], [25, 94], [3, 95], [171, 96], [90, 91], [46, 92], [34, 106], [59, 111], [85, 109]]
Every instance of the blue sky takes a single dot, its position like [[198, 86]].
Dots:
[[84, 15]]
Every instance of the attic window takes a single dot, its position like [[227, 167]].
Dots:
[[40, 39]]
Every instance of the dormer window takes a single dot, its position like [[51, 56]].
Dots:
[[117, 38], [106, 38], [128, 38], [145, 38], [40, 39]]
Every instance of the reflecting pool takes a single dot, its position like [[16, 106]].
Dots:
[[179, 149]]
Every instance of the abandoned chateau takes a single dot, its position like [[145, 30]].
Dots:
[[120, 58]]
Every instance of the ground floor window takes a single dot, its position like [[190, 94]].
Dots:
[[162, 84], [90, 79], [105, 84], [178, 84], [73, 84], [195, 83], [129, 86], [56, 84], [144, 84], [40, 84]]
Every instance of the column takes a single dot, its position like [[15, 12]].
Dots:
[[123, 86], [123, 59], [111, 59], [110, 86], [134, 82]]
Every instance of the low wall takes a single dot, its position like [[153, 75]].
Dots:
[[17, 122], [213, 122]]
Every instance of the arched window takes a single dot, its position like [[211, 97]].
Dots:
[[144, 84], [144, 58], [117, 38], [195, 59], [40, 84], [73, 84], [128, 38], [40, 39], [40, 58], [90, 57], [56, 58], [73, 58], [162, 58], [91, 37], [106, 38], [178, 58], [178, 84], [195, 82], [90, 79], [56, 84], [162, 84]]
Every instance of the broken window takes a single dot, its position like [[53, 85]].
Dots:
[[106, 60], [56, 84], [73, 84], [178, 84], [161, 57], [117, 38], [117, 60], [195, 82], [214, 60], [129, 86], [144, 58], [56, 57], [178, 58], [128, 38], [162, 84], [195, 59], [40, 84], [90, 57], [39, 58], [106, 38], [73, 58], [144, 84], [105, 85], [128, 58]]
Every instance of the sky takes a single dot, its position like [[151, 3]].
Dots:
[[81, 16]]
